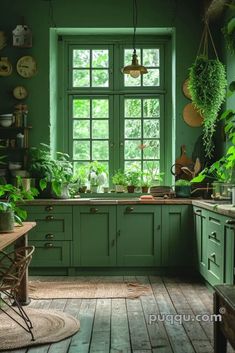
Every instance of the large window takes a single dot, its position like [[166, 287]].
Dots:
[[110, 117]]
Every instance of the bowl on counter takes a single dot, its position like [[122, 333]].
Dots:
[[6, 120], [15, 165]]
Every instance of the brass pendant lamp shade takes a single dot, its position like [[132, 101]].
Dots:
[[135, 69]]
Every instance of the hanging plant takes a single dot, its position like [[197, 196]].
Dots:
[[229, 35], [207, 86]]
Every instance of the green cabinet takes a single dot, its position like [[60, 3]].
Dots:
[[177, 236], [138, 235], [52, 237], [94, 229], [200, 243], [215, 242]]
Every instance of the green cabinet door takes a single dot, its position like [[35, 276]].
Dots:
[[229, 248], [201, 240], [177, 235], [94, 230], [138, 235]]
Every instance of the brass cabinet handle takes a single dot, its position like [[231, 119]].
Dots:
[[48, 208], [213, 256], [129, 209], [49, 236], [213, 235], [198, 211], [49, 218], [48, 245], [230, 221], [94, 210]]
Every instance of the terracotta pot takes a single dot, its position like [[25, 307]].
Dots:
[[145, 189], [131, 188]]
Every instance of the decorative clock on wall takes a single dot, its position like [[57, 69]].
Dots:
[[5, 67], [26, 66], [20, 92]]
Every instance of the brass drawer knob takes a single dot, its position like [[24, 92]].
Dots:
[[48, 208], [49, 218], [213, 235], [230, 221], [213, 256], [48, 245], [94, 210], [129, 209], [49, 236]]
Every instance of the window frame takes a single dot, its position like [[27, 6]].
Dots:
[[69, 42]]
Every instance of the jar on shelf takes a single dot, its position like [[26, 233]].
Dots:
[[20, 140]]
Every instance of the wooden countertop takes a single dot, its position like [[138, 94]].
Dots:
[[8, 238]]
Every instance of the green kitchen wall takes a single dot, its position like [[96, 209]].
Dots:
[[183, 17]]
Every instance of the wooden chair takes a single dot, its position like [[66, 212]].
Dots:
[[12, 269]]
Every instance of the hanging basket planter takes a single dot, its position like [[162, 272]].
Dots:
[[207, 86]]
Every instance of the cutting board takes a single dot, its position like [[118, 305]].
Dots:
[[184, 160]]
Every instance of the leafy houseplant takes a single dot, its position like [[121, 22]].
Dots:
[[81, 176], [10, 212], [182, 188], [207, 83], [229, 34], [54, 174], [119, 179], [97, 175], [133, 180]]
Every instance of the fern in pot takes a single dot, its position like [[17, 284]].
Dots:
[[207, 86]]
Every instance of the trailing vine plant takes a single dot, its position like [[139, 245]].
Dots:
[[207, 86]]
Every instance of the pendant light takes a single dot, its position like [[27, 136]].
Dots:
[[134, 70]]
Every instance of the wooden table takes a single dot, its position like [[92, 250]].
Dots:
[[20, 238], [224, 304]]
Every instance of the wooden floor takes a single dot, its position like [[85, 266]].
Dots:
[[122, 325]]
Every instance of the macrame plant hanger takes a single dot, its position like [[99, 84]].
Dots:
[[204, 42]]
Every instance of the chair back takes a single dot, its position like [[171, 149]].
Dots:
[[13, 266]]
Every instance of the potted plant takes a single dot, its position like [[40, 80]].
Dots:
[[207, 86], [119, 180], [133, 180], [53, 174], [10, 212], [81, 177], [146, 181], [97, 175], [182, 188]]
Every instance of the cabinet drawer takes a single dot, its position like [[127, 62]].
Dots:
[[215, 263], [48, 209], [51, 254], [53, 226], [214, 228]]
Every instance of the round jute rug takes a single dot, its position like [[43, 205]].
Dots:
[[48, 326]]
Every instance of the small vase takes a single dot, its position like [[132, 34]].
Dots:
[[94, 188], [6, 222], [119, 188]]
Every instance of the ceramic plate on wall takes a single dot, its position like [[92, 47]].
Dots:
[[185, 89], [191, 116]]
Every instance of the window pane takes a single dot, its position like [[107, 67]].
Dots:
[[151, 57], [81, 78], [132, 108], [81, 129], [151, 128], [100, 129], [100, 150], [151, 108], [151, 78], [100, 58], [81, 58], [128, 56], [152, 149], [81, 150], [152, 166], [77, 165], [132, 165], [132, 149], [132, 128], [81, 108], [100, 108], [100, 78], [131, 82]]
